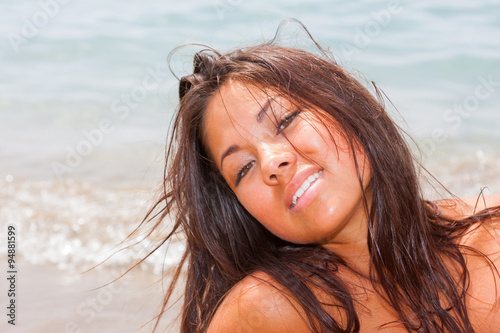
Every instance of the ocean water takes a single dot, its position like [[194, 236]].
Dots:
[[86, 100]]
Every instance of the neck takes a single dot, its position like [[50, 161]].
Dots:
[[352, 243], [356, 255]]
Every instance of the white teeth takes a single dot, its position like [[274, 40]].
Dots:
[[305, 186]]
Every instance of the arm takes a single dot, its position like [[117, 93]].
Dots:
[[258, 304]]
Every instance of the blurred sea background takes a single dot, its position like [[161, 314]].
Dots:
[[87, 97]]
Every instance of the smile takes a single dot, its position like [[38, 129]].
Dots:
[[307, 183]]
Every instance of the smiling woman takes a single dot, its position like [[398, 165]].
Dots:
[[255, 138], [302, 211]]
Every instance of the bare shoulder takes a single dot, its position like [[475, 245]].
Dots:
[[259, 304], [462, 207], [484, 237], [483, 266]]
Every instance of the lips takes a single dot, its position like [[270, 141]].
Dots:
[[300, 184], [305, 185]]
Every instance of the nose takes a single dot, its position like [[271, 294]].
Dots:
[[277, 166]]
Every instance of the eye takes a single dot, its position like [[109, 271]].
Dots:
[[286, 121], [243, 171]]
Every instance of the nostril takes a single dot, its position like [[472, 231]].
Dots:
[[283, 164]]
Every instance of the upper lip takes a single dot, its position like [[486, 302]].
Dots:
[[297, 181]]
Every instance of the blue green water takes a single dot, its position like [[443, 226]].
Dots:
[[91, 77]]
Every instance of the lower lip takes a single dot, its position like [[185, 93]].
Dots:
[[308, 196]]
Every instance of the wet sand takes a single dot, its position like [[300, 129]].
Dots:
[[50, 300]]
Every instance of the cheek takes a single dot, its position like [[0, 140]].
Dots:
[[310, 140], [265, 208], [316, 143], [257, 200]]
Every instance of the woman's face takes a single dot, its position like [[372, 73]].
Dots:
[[284, 167]]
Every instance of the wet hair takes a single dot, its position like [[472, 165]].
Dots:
[[408, 236]]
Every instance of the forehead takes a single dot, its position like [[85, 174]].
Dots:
[[232, 114], [234, 98]]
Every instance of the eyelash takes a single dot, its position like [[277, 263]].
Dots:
[[283, 124], [243, 171], [286, 121]]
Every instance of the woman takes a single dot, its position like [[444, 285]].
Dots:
[[302, 211]]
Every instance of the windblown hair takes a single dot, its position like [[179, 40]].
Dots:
[[408, 236]]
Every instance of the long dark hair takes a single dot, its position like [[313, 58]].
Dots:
[[408, 236]]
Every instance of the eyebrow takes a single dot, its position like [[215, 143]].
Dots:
[[263, 111], [231, 150], [260, 117]]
